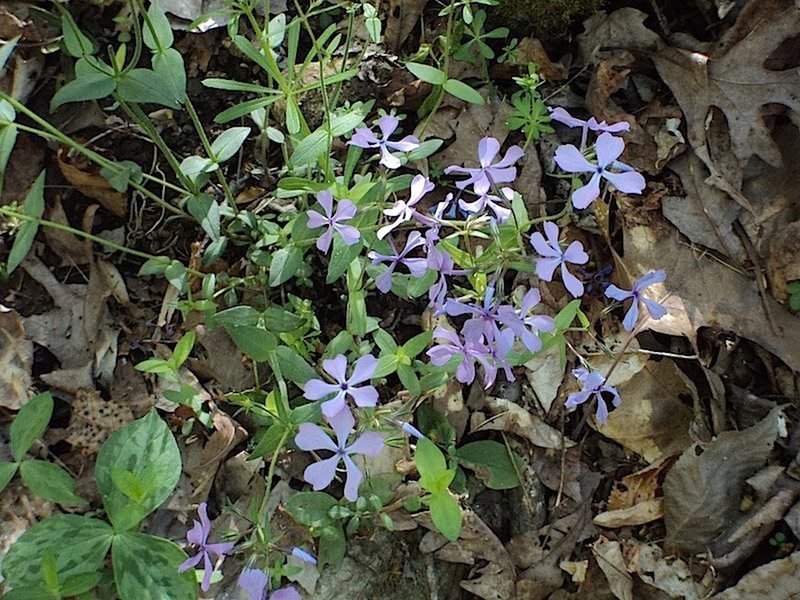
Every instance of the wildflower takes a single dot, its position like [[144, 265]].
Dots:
[[416, 266], [562, 116], [594, 384], [412, 431], [608, 149], [404, 209], [320, 474], [553, 256], [484, 321], [303, 555], [524, 325], [471, 350], [494, 203], [364, 138], [365, 395], [655, 309], [344, 212], [488, 174], [254, 583], [198, 536]]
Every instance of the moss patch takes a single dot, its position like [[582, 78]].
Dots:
[[544, 19]]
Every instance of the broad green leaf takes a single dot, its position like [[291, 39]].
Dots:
[[293, 366], [425, 149], [306, 413], [332, 545], [195, 167], [176, 273], [385, 341], [146, 568], [75, 42], [311, 508], [387, 364], [236, 86], [79, 543], [292, 116], [461, 90], [147, 86], [125, 172], [432, 467], [276, 30], [7, 472], [169, 66], [154, 365], [566, 315], [279, 320], [427, 73], [315, 144], [491, 462], [161, 28], [49, 481], [244, 108], [341, 257], [446, 515], [256, 342], [80, 583], [356, 316], [206, 210], [8, 137], [236, 315], [228, 143], [254, 54], [183, 348], [23, 240], [418, 343], [35, 592], [269, 441], [30, 423], [409, 379], [147, 449], [284, 265]]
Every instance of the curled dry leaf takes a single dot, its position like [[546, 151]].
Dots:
[[702, 490], [608, 555], [508, 416], [776, 580], [671, 575], [638, 514], [88, 181], [16, 359]]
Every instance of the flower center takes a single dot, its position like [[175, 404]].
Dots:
[[343, 387]]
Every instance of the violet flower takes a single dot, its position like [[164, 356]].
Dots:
[[489, 174], [490, 201], [471, 350], [321, 474], [485, 318], [655, 309], [416, 266], [365, 395], [594, 384], [404, 209], [364, 138], [412, 431], [525, 326], [345, 211], [553, 256], [608, 148], [198, 536], [254, 583], [304, 556], [562, 116]]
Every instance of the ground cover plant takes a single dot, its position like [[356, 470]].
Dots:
[[334, 298]]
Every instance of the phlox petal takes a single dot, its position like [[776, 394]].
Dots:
[[488, 148], [364, 396], [650, 279], [349, 234], [572, 283], [387, 124], [336, 367], [320, 474], [615, 293], [513, 154], [363, 369], [584, 196], [316, 389], [369, 443], [354, 478], [575, 254], [629, 182], [545, 267], [570, 159], [324, 241], [312, 437], [608, 148], [629, 322], [389, 160], [655, 309]]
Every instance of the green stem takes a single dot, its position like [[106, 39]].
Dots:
[[445, 68], [207, 147]]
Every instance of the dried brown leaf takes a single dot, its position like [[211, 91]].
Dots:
[[16, 359], [776, 580]]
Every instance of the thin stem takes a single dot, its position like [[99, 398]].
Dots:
[[448, 36], [207, 147]]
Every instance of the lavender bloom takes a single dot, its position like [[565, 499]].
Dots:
[[608, 149], [471, 350], [364, 138], [254, 583], [344, 212], [655, 309], [488, 174], [494, 203], [562, 116], [485, 318], [303, 555], [498, 352], [365, 395], [594, 384], [198, 536], [555, 256], [320, 474], [417, 266], [524, 325], [404, 209]]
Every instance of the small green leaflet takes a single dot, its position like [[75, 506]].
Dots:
[[23, 240]]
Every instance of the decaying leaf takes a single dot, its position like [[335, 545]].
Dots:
[[401, 18], [776, 580], [702, 490], [16, 359], [638, 514], [671, 575], [87, 179], [93, 420], [609, 557], [640, 486], [505, 415]]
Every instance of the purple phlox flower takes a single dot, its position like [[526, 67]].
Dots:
[[441, 262], [412, 431], [416, 266], [503, 343], [526, 326], [485, 318], [655, 309], [254, 583], [345, 211], [553, 256], [198, 536], [608, 148], [489, 174], [304, 556], [450, 344], [320, 474], [405, 210], [365, 395], [562, 116], [364, 138], [594, 384], [494, 203]]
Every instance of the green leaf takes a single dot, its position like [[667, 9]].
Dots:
[[147, 86], [427, 73], [79, 543], [341, 257], [315, 144], [279, 320], [91, 86], [75, 42], [147, 449], [461, 90], [491, 462], [446, 515], [7, 472], [387, 364], [169, 66], [418, 343], [146, 568], [566, 315], [50, 482], [269, 441], [8, 137], [284, 265], [432, 467], [80, 583], [293, 366], [356, 316], [6, 50], [256, 342], [425, 149], [384, 341], [23, 240], [126, 171], [409, 379], [244, 108], [197, 167], [228, 143], [205, 209], [183, 348], [161, 29], [311, 508], [154, 365], [35, 592], [30, 423], [332, 545]]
